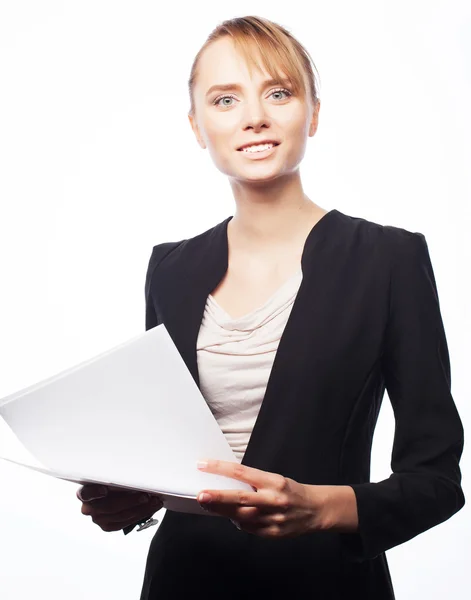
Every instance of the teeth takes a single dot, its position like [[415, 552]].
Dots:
[[258, 148]]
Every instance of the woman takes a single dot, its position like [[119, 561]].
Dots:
[[293, 321]]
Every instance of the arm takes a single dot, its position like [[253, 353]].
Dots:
[[425, 486]]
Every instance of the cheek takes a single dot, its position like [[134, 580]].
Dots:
[[297, 136], [222, 128], [297, 129], [292, 125], [220, 144], [223, 156]]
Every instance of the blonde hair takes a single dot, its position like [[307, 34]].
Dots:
[[277, 47]]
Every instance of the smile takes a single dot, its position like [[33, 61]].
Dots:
[[257, 154]]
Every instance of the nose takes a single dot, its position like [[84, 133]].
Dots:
[[257, 122], [254, 113]]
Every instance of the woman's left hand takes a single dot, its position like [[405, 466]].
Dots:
[[278, 506]]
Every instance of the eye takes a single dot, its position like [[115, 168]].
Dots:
[[277, 91]]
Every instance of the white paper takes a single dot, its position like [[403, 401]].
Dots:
[[131, 417]]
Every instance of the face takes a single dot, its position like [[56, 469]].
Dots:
[[227, 119]]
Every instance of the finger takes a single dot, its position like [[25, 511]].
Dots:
[[270, 531], [131, 513], [255, 477], [115, 494], [115, 503], [248, 514], [91, 491], [226, 500], [95, 491], [146, 513], [266, 529], [264, 520]]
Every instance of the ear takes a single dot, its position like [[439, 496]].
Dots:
[[315, 119], [196, 131]]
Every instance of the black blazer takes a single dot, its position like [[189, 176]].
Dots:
[[366, 317]]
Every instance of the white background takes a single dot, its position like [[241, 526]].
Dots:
[[98, 164]]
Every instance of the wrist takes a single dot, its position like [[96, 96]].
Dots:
[[334, 508]]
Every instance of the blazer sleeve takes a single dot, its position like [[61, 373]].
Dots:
[[424, 488], [151, 317]]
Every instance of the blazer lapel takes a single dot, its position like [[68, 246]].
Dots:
[[187, 277]]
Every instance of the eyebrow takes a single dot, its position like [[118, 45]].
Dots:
[[237, 86]]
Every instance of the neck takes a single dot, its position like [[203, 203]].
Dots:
[[271, 215]]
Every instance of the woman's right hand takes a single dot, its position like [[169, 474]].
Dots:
[[114, 508]]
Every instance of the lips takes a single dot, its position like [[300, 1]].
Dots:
[[274, 142]]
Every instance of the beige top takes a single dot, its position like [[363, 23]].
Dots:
[[235, 358]]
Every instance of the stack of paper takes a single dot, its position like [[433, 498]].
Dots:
[[131, 417]]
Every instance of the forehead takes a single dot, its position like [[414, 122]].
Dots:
[[222, 62]]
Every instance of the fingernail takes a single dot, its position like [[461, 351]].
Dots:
[[94, 494]]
